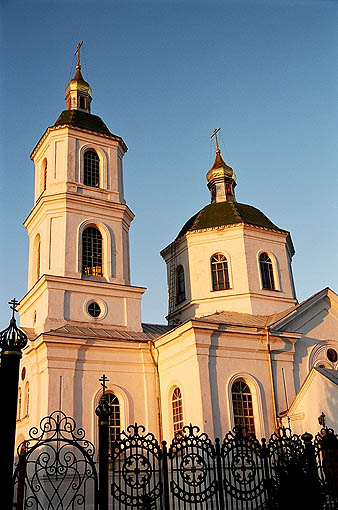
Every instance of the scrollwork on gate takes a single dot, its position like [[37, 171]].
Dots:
[[137, 477], [56, 468], [326, 456], [192, 466], [242, 463]]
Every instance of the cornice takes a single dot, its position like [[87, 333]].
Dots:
[[51, 129], [69, 198], [234, 226]]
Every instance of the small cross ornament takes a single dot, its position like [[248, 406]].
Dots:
[[14, 304], [103, 381]]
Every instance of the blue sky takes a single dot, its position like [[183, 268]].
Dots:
[[164, 74]]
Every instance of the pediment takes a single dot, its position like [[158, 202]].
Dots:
[[310, 314]]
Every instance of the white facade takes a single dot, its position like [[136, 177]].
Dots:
[[318, 395], [241, 245], [245, 331], [64, 207]]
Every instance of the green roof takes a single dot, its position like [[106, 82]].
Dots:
[[227, 213], [83, 120]]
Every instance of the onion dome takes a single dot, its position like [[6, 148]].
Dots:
[[13, 339], [78, 93], [221, 180]]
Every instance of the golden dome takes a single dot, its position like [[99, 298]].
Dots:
[[220, 169], [78, 83]]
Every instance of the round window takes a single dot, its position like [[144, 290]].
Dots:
[[332, 355], [94, 309]]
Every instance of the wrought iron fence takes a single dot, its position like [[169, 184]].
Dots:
[[56, 470]]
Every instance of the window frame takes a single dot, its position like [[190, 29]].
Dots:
[[109, 249], [83, 100], [177, 410], [88, 178], [215, 271], [19, 405], [26, 400], [123, 398], [90, 254], [267, 271], [45, 166], [244, 405], [318, 355], [112, 434], [257, 398], [180, 296]]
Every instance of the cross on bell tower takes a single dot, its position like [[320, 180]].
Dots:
[[78, 91]]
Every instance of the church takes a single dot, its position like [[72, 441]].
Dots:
[[238, 347]]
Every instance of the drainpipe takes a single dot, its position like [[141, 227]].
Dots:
[[272, 382], [152, 348]]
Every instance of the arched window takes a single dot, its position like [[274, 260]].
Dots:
[[38, 259], [36, 262], [219, 272], [45, 175], [242, 405], [26, 399], [180, 285], [114, 420], [82, 102], [266, 267], [92, 252], [177, 409], [18, 412], [91, 169]]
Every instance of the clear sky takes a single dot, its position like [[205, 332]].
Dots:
[[164, 74]]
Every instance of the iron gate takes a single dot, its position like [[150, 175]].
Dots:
[[56, 470]]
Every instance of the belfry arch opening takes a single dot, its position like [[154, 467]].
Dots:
[[91, 169], [92, 252]]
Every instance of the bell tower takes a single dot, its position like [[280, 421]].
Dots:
[[78, 228]]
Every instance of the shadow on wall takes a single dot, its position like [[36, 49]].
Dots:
[[305, 344], [218, 391]]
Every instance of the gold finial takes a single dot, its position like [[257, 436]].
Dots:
[[78, 53], [215, 135]]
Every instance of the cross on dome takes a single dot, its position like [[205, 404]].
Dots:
[[214, 134], [78, 53], [221, 177], [78, 91], [14, 304]]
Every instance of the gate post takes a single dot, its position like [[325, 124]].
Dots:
[[219, 473], [165, 475], [266, 471], [103, 413], [312, 493], [12, 341]]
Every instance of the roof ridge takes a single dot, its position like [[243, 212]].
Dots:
[[236, 211]]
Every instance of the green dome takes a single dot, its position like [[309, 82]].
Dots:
[[219, 214], [82, 120]]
